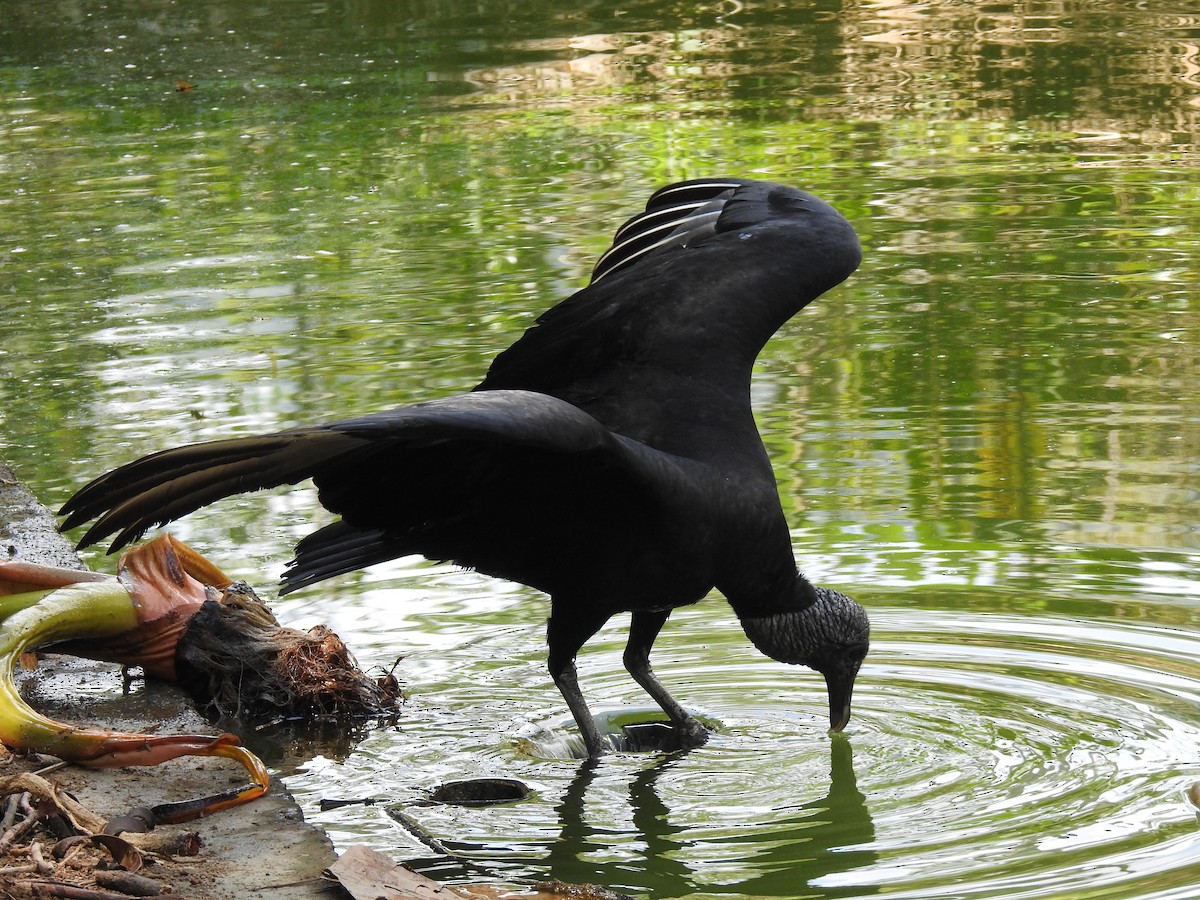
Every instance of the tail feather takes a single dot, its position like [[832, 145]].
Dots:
[[336, 549]]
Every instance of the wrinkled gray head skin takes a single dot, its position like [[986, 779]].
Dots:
[[831, 636]]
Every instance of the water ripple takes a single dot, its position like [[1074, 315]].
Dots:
[[990, 755]]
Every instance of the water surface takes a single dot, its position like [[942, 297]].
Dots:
[[989, 435]]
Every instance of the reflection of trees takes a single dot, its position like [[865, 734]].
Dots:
[[412, 182], [1026, 366], [1106, 67], [805, 848], [1084, 66]]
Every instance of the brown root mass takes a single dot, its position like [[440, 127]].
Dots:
[[237, 662]]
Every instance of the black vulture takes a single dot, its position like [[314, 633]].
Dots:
[[609, 457]]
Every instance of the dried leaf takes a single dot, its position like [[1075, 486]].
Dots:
[[138, 820], [369, 875], [123, 853]]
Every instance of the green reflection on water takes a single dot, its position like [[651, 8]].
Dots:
[[358, 204]]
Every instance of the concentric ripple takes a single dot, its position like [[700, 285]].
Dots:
[[990, 755], [1033, 756]]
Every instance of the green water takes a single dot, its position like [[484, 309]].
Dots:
[[990, 435]]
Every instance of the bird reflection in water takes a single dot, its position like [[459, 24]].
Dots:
[[806, 848]]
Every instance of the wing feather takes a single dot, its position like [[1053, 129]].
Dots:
[[485, 479]]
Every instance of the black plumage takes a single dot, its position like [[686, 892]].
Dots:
[[609, 457]]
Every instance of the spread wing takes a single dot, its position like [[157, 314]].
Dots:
[[693, 286], [554, 454], [488, 480]]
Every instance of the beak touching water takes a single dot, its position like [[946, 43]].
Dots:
[[840, 683]]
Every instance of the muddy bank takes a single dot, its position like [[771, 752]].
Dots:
[[261, 850]]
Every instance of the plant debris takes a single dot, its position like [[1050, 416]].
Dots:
[[192, 625], [263, 849], [238, 663], [53, 846]]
